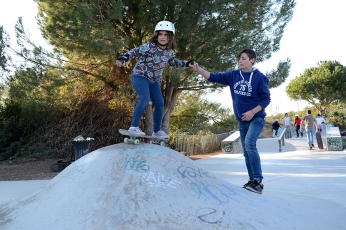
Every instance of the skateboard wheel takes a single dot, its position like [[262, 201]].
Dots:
[[126, 140], [162, 143], [137, 142]]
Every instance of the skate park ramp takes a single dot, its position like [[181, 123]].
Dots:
[[126, 186]]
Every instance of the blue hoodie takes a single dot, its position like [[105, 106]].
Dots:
[[246, 93]]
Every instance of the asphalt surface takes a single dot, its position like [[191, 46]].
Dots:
[[295, 170]]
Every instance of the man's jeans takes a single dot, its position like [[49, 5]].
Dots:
[[310, 135], [249, 133], [147, 90]]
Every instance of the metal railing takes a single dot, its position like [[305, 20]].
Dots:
[[281, 138]]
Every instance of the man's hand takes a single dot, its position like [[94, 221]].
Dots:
[[247, 116]]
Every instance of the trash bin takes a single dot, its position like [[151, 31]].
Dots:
[[81, 148]]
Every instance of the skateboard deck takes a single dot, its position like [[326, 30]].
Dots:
[[319, 140], [133, 138]]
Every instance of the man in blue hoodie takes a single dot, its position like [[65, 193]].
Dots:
[[250, 95]]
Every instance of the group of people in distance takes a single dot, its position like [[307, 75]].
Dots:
[[311, 124], [248, 87]]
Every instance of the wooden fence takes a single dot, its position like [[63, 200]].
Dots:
[[200, 144]]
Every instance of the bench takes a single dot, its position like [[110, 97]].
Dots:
[[333, 139], [324, 128], [281, 139], [232, 143]]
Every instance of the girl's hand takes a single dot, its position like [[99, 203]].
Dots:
[[119, 63], [194, 66]]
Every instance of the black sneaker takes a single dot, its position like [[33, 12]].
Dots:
[[310, 148], [312, 145], [248, 183], [256, 187]]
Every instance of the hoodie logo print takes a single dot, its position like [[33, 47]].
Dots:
[[240, 88]]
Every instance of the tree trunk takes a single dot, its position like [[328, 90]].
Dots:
[[170, 96], [321, 109], [149, 119]]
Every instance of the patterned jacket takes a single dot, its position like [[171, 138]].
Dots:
[[152, 61]]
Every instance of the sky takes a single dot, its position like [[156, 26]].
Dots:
[[11, 10], [314, 34]]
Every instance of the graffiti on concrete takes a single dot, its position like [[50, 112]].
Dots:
[[189, 172], [224, 194], [210, 215], [134, 163], [159, 180], [227, 146]]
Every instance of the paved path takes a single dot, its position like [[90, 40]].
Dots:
[[296, 170], [11, 190]]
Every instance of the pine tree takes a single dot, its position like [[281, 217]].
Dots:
[[92, 34]]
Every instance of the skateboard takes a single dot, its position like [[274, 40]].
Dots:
[[319, 140], [134, 139]]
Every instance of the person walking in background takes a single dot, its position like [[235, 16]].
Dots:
[[153, 56], [276, 125], [297, 122], [310, 128], [250, 96], [287, 122], [320, 120]]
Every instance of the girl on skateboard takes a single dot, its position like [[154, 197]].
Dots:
[[147, 74]]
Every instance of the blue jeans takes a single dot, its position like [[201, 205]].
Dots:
[[147, 90], [249, 133], [298, 131], [310, 135]]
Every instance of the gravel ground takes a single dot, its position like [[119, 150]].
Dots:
[[31, 170]]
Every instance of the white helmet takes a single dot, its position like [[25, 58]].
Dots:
[[165, 25], [297, 115]]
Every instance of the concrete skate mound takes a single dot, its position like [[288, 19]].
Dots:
[[147, 186]]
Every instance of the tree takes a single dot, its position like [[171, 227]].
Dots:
[[320, 86], [337, 115], [4, 57], [92, 34], [193, 113]]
